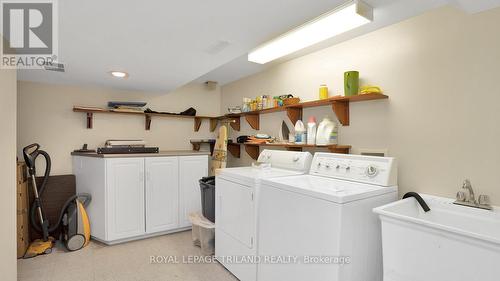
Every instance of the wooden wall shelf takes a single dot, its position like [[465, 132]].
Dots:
[[253, 149], [147, 117], [340, 105], [233, 148]]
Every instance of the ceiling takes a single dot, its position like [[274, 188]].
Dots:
[[166, 44]]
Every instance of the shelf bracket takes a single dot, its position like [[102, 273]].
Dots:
[[90, 119], [252, 151], [294, 114], [196, 146], [148, 122], [197, 124], [236, 124], [253, 120], [234, 149], [341, 109], [213, 124]]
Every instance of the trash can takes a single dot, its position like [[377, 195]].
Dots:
[[207, 186]]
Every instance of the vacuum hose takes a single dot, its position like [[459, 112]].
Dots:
[[30, 159]]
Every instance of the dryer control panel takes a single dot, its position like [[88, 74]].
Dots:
[[290, 160], [359, 168]]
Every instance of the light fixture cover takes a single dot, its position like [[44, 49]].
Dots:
[[118, 74], [344, 18]]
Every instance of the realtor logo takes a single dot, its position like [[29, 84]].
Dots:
[[29, 29]]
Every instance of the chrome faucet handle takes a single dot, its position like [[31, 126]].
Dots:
[[483, 200], [461, 196], [468, 186]]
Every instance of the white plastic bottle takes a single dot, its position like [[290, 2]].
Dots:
[[311, 130], [300, 132], [327, 133], [334, 135]]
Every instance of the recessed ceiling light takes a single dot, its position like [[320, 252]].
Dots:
[[344, 18], [119, 74]]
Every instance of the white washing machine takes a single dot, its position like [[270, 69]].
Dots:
[[324, 220], [236, 201]]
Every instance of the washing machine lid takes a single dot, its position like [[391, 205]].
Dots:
[[334, 190], [251, 175]]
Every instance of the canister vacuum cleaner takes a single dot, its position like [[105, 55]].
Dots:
[[73, 218]]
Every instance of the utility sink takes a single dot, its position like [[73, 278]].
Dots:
[[450, 242]]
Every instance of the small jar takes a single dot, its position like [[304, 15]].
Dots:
[[323, 92]]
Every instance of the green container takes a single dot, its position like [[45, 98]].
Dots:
[[351, 83]]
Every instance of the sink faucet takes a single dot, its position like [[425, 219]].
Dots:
[[469, 200]]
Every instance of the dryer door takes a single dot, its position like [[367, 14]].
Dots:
[[235, 211]]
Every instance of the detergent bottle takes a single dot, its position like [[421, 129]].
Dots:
[[311, 130], [300, 132], [327, 132]]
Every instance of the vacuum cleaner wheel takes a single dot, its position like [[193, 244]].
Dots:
[[75, 242]]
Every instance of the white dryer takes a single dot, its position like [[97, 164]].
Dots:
[[324, 220], [236, 202]]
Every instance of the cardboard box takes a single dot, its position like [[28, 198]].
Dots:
[[22, 196], [23, 240], [22, 210], [22, 174]]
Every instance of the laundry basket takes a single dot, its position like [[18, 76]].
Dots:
[[203, 233], [207, 186]]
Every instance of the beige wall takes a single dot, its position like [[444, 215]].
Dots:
[[45, 116], [441, 71], [8, 175]]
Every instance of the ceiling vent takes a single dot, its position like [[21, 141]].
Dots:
[[217, 47], [211, 85], [54, 66]]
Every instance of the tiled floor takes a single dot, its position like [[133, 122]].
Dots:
[[128, 261]]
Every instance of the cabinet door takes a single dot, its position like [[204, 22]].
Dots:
[[191, 170], [162, 194], [125, 197]]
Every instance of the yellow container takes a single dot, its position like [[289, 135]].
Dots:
[[323, 92]]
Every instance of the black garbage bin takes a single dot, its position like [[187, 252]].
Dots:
[[207, 186]]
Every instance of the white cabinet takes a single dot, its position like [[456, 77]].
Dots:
[[192, 169], [162, 194], [125, 197], [137, 197]]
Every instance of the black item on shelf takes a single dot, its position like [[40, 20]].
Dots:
[[207, 186], [127, 150], [188, 112], [84, 149], [242, 139]]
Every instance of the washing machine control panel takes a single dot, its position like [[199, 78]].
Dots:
[[291, 160], [359, 168]]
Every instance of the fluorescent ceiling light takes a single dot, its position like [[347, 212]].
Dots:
[[119, 74], [344, 18]]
